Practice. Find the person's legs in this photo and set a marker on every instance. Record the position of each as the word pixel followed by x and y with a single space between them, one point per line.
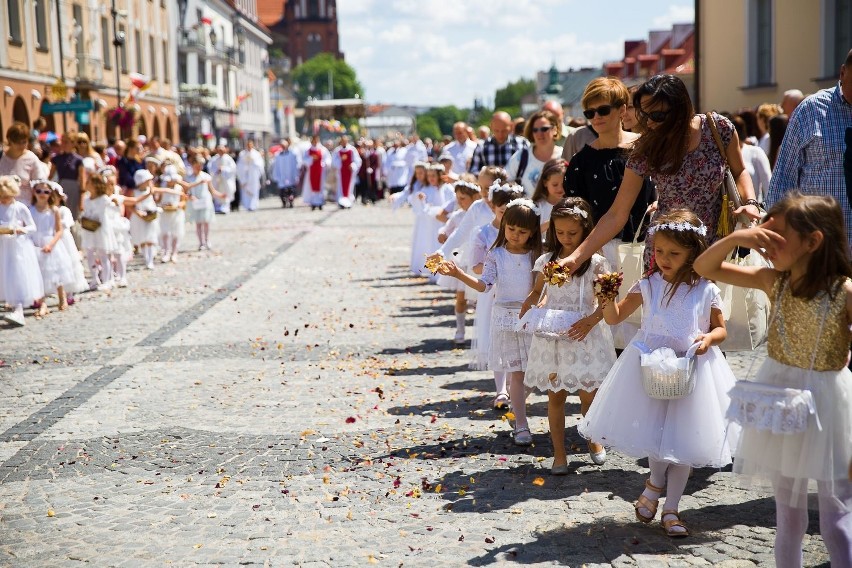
pixel 205 231
pixel 460 311
pixel 518 393
pixel 835 521
pixel 676 477
pixel 646 506
pixel 556 421
pixel 596 451
pixel 791 522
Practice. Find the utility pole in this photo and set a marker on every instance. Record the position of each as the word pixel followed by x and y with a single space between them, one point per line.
pixel 61 60
pixel 117 42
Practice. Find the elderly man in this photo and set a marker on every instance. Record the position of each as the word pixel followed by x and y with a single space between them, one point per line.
pixel 791 100
pixel 250 171
pixel 497 148
pixel 816 154
pixel 461 148
pixel 224 171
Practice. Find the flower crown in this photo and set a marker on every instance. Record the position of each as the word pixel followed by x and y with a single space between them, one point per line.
pixel 680 226
pixel 51 184
pixel 528 203
pixel 497 187
pixel 421 164
pixel 437 167
pixel 467 184
pixel 574 210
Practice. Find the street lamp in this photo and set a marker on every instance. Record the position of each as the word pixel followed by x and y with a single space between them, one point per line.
pixel 117 42
pixel 213 37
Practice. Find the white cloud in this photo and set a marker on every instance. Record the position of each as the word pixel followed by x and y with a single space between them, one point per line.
pixel 676 15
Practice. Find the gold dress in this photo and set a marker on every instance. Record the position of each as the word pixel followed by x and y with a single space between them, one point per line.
pixel 808 347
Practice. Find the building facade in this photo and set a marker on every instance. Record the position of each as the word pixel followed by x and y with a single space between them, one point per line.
pixel 304 29
pixel 751 51
pixel 63 51
pixel 252 76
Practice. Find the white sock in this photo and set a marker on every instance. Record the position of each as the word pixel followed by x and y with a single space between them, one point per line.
pixel 460 320
pixel 500 382
pixel 835 520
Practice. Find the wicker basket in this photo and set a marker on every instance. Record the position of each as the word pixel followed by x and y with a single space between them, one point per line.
pixel 90 224
pixel 169 208
pixel 673 384
pixel 147 216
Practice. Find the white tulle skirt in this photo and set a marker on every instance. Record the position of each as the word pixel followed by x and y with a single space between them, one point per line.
pixel 20 276
pixel 173 223
pixel 123 240
pixel 481 344
pixel 509 348
pixel 80 284
pixel 142 231
pixel 822 453
pixel 56 269
pixel 690 430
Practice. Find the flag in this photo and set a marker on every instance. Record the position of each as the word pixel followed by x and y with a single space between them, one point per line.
pixel 270 75
pixel 206 21
pixel 240 98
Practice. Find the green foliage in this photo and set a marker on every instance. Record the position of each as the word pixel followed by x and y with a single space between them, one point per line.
pixel 315 73
pixel 444 117
pixel 427 127
pixel 511 94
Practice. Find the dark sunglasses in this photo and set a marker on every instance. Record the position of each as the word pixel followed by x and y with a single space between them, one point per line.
pixel 541 129
pixel 42 191
pixel 602 110
pixel 655 116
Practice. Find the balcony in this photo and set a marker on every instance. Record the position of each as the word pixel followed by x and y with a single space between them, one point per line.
pixel 203 96
pixel 90 72
pixel 192 41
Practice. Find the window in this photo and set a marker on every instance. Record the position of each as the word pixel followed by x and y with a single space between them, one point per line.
pixel 202 72
pixel 13 8
pixel 314 46
pixel 122 32
pixel 840 35
pixel 79 31
pixel 166 69
pixel 182 78
pixel 137 42
pixel 761 49
pixel 152 47
pixel 41 24
pixel 313 9
pixel 106 51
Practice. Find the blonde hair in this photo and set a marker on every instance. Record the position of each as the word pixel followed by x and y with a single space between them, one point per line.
pixel 609 89
pixel 99 186
pixel 10 186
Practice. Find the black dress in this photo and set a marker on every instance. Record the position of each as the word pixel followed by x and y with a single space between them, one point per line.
pixel 595 175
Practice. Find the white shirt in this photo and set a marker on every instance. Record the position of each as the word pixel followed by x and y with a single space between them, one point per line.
pixel 533 171
pixel 757 166
pixel 461 153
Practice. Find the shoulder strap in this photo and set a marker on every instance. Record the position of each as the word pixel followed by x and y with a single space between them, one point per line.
pixel 525 160
pixel 717 137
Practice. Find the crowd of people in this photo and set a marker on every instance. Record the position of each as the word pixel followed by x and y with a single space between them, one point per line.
pixel 524 219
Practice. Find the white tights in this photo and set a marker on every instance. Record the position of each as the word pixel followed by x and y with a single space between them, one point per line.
pixel 202 230
pixel 835 523
pixel 500 382
pixel 100 274
pixel 671 476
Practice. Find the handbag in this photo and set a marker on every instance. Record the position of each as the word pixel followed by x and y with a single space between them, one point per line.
pixel 746 310
pixel 631 263
pixel 731 200
pixel 543 322
pixel 147 216
pixel 778 409
pixel 90 224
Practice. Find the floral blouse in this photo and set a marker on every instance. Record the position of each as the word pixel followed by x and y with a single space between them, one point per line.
pixel 696 185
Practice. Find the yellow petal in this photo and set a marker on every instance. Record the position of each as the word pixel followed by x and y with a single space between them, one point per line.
pixel 538 481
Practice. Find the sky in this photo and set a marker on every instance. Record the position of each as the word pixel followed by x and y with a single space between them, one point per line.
pixel 442 52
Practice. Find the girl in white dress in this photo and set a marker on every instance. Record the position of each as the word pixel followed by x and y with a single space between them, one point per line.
pixel 53 260
pixel 120 226
pixel 20 277
pixel 508 266
pixel 200 191
pixel 67 240
pixel 418 180
pixel 145 223
pixel 808 347
pixel 428 204
pixel 481 241
pixel 99 243
pixel 173 220
pixel 683 312
pixel 570 352
pixel 549 189
pixel 466 193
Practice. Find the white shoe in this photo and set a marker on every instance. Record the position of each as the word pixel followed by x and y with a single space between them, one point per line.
pixel 166 258
pixel 173 259
pixel 150 266
pixel 598 458
pixel 16 318
pixel 104 287
pixel 122 283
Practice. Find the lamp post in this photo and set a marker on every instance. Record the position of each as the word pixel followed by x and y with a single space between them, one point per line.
pixel 117 43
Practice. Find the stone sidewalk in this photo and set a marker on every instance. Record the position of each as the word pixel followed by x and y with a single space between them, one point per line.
pixel 293 398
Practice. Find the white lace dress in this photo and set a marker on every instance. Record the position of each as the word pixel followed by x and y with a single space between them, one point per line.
pixel 172 221
pixel 142 231
pixel 20 277
pixel 512 276
pixel 55 266
pixel 101 209
pixel 579 365
pixel 67 242
pixel 481 240
pixel 690 430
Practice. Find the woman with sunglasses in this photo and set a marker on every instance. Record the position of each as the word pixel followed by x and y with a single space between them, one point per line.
pixel 19 161
pixel 678 151
pixel 525 165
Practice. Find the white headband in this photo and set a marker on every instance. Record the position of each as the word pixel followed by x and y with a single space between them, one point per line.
pixel 51 184
pixel 437 167
pixel 467 184
pixel 681 226
pixel 528 203
pixel 575 211
pixel 507 188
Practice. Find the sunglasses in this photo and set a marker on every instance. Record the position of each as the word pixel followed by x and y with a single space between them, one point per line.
pixel 541 129
pixel 602 110
pixel 654 116
pixel 42 191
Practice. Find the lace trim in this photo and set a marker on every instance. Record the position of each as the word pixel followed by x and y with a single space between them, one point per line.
pixel 768 407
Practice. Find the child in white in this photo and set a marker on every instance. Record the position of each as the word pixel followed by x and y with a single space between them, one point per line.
pixel 428 204
pixel 200 192
pixel 804 236
pixel 53 260
pixel 173 220
pixel 120 226
pixel 480 243
pixel 99 244
pixel 418 181
pixel 570 352
pixel 20 277
pixel 144 223
pixel 67 242
pixel 508 266
pixel 680 309
pixel 467 192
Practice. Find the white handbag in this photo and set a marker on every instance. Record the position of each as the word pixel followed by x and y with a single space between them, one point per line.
pixel 543 322
pixel 746 310
pixel 631 263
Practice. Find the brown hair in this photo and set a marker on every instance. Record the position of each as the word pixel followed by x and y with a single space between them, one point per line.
pixel 98 186
pixel 547 115
pixel 501 198
pixel 496 173
pixel 806 214
pixel 551 167
pixel 690 240
pixel 565 210
pixel 665 146
pixel 18 133
pixel 519 215
pixel 609 89
pixel 53 198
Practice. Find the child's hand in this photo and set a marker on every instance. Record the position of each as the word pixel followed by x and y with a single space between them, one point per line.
pixel 581 328
pixel 762 238
pixel 46 248
pixel 706 341
pixel 442 238
pixel 421 196
pixel 442 216
pixel 525 307
pixel 449 268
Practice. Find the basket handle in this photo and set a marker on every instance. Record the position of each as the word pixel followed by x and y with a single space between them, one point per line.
pixel 690 353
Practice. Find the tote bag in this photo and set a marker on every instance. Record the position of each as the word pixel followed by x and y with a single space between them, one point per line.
pixel 746 310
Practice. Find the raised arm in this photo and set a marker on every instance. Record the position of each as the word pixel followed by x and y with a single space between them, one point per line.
pixel 711 263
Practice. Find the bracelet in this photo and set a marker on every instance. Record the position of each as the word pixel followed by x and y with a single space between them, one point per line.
pixel 752 202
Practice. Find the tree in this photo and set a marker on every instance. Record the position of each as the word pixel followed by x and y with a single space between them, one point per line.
pixel 511 94
pixel 427 127
pixel 311 78
pixel 445 117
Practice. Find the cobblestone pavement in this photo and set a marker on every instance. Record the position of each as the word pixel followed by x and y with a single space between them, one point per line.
pixel 294 398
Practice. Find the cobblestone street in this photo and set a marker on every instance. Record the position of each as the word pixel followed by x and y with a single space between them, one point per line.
pixel 293 397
